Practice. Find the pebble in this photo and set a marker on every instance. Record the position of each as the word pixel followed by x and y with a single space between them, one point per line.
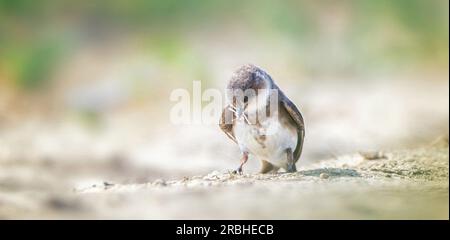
pixel 324 176
pixel 107 185
pixel 159 182
pixel 212 176
pixel 372 155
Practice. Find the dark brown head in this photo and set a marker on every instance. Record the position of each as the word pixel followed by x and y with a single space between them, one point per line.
pixel 249 76
pixel 249 80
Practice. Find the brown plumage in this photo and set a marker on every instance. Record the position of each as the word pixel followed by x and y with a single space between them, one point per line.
pixel 251 137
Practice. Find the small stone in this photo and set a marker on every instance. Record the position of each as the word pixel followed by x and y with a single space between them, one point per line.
pixel 107 185
pixel 324 176
pixel 373 155
pixel 159 182
pixel 212 176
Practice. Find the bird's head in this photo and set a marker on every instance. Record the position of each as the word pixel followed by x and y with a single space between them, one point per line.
pixel 249 85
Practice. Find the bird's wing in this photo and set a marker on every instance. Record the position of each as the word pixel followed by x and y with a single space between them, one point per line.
pixel 227 127
pixel 298 119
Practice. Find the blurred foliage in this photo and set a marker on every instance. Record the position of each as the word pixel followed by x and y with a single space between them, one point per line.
pixel 34 64
pixel 425 22
pixel 416 30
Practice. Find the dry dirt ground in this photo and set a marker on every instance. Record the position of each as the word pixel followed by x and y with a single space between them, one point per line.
pixel 131 165
pixel 405 184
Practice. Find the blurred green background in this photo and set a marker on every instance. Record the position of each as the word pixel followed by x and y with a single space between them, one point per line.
pixel 37 37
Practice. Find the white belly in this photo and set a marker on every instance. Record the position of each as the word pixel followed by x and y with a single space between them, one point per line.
pixel 268 141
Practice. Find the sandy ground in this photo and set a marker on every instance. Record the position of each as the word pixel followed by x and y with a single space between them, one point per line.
pixel 406 184
pixel 133 166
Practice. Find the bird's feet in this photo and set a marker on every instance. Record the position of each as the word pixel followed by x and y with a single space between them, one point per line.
pixel 291 168
pixel 243 161
pixel 238 171
pixel 290 162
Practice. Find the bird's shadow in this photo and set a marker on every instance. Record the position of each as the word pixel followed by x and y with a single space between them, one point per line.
pixel 332 172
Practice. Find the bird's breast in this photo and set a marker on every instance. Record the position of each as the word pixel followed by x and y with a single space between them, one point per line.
pixel 268 139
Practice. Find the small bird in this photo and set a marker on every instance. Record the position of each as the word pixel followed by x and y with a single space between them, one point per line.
pixel 277 139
